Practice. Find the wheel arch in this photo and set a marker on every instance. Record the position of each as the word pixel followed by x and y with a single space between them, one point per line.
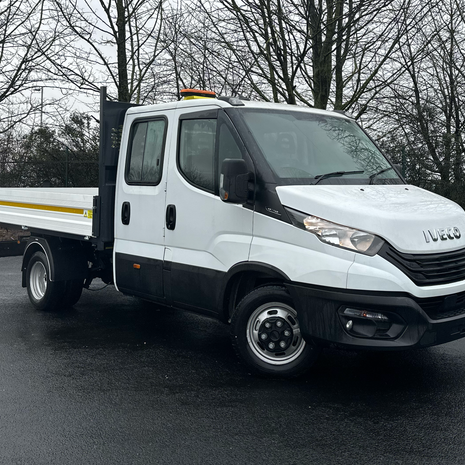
pixel 66 259
pixel 244 277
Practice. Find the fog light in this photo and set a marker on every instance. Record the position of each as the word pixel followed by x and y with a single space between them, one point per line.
pixel 371 324
pixel 365 323
pixel 365 314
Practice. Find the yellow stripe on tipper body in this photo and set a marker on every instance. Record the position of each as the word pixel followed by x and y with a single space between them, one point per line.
pixel 50 208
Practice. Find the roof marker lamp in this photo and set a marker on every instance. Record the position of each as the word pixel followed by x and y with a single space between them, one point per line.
pixel 336 234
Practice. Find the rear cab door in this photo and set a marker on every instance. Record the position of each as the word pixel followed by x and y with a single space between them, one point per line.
pixel 140 202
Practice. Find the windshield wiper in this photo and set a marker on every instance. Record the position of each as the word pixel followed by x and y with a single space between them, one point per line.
pixel 374 176
pixel 334 174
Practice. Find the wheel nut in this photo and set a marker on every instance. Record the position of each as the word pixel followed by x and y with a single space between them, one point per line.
pixel 271 345
pixel 263 336
pixel 279 324
pixel 287 333
pixel 282 344
pixel 267 325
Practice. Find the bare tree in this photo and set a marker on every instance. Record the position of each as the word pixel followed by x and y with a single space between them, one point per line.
pixel 194 56
pixel 26 33
pixel 426 105
pixel 320 53
pixel 259 36
pixel 63 156
pixel 113 42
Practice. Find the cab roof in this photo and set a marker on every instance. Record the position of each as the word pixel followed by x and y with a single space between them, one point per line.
pixel 223 103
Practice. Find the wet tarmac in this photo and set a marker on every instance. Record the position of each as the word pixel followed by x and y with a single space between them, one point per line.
pixel 118 381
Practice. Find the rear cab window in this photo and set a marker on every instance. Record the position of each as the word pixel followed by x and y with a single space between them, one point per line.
pixel 146 152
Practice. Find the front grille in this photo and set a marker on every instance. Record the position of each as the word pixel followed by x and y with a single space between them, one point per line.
pixel 438 308
pixel 427 269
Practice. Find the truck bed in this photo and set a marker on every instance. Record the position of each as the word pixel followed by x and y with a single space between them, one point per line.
pixel 66 210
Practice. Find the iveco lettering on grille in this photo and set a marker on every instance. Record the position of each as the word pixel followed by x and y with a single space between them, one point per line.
pixel 443 233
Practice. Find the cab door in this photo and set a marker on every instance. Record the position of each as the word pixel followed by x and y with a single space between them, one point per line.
pixel 205 237
pixel 140 205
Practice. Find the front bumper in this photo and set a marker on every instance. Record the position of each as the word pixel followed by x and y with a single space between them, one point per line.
pixel 414 322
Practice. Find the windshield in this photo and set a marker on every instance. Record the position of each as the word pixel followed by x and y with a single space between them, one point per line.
pixel 305 148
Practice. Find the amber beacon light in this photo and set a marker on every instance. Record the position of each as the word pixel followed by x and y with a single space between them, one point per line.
pixel 190 94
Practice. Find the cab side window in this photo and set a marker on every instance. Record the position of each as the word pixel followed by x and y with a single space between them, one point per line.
pixel 204 143
pixel 197 152
pixel 145 157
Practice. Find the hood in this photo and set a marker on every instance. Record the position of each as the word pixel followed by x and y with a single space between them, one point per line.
pixel 409 218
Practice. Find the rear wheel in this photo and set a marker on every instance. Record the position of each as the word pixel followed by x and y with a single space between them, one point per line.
pixel 43 293
pixel 266 334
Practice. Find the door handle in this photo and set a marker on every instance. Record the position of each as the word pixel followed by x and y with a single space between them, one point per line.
pixel 171 217
pixel 126 213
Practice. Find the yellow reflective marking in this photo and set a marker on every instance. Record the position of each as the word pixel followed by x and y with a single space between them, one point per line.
pixel 50 208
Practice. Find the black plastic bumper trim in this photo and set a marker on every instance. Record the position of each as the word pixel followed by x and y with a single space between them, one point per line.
pixel 318 308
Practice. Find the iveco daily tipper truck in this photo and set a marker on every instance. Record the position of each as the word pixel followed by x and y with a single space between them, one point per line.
pixel 288 223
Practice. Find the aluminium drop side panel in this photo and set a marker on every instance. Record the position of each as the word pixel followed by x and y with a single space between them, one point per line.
pixel 65 210
pixel 71 210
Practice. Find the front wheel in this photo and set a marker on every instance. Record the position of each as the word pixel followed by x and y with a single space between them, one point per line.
pixel 43 293
pixel 266 334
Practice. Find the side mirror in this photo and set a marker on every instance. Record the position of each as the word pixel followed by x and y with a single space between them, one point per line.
pixel 234 180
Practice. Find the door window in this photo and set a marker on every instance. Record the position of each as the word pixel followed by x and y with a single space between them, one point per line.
pixel 197 152
pixel 200 157
pixel 145 158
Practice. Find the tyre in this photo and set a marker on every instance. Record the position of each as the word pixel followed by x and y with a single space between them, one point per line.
pixel 266 334
pixel 43 293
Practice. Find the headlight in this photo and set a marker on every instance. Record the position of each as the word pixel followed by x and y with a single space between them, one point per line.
pixel 335 234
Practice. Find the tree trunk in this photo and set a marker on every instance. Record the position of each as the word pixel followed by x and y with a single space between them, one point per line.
pixel 123 87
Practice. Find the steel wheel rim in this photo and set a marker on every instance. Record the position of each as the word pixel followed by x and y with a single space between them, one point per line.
pixel 270 312
pixel 38 280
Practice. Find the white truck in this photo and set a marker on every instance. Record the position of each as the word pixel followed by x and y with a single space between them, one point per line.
pixel 287 223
